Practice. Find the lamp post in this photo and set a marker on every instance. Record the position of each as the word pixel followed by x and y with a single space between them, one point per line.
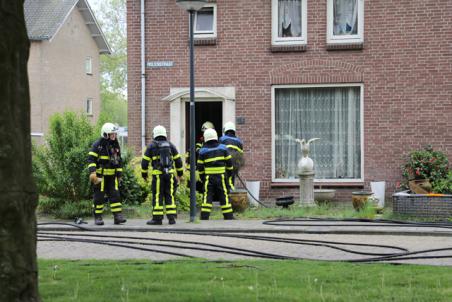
pixel 192 6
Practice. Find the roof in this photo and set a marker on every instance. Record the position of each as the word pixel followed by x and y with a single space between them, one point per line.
pixel 44 18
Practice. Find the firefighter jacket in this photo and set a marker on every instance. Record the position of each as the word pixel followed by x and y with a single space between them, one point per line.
pixel 105 158
pixel 232 142
pixel 214 158
pixel 152 156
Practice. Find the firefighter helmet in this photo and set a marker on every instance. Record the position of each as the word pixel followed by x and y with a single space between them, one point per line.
pixel 159 131
pixel 107 129
pixel 229 126
pixel 207 125
pixel 210 134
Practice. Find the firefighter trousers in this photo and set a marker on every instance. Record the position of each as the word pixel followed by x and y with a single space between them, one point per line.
pixel 215 186
pixel 109 187
pixel 164 194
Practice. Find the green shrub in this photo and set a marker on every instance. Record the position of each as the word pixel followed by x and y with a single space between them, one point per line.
pixel 70 210
pixel 134 190
pixel 426 163
pixel 444 185
pixel 183 194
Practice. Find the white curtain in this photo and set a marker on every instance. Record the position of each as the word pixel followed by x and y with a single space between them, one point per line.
pixel 331 114
pixel 345 17
pixel 289 18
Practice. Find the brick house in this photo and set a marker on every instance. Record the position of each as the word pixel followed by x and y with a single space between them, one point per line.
pixel 371 79
pixel 63 68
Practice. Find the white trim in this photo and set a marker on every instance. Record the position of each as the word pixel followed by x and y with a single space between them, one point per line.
pixel 320 181
pixel 89 68
pixel 345 39
pixel 38 134
pixel 207 34
pixel 303 40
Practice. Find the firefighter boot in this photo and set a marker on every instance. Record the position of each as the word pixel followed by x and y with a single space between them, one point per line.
pixel 118 218
pixel 228 216
pixel 171 219
pixel 98 220
pixel 154 221
pixel 205 215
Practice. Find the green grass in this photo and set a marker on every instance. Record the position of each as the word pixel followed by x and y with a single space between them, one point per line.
pixel 257 280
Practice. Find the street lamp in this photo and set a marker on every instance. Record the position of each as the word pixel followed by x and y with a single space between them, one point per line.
pixel 191 6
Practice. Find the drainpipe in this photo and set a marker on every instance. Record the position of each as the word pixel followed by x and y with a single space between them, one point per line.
pixel 143 81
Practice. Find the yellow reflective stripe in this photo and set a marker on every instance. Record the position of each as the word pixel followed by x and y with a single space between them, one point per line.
pixel 173 202
pixel 230 183
pixel 201 172
pixel 225 190
pixel 98 211
pixel 102 185
pixel 92 165
pixel 116 183
pixel 200 161
pixel 118 169
pixel 116 210
pixel 204 202
pixel 235 147
pixel 158 172
pixel 171 212
pixel 99 206
pixel 208 205
pixel 157 195
pixel 93 154
pixel 146 157
pixel 230 168
pixel 228 157
pixel 215 170
pixel 106 171
pixel 180 169
pixel 226 206
pixel 205 210
pixel 177 156
pixel 144 170
pixel 116 204
pixel 155 157
pixel 157 213
pixel 104 157
pixel 227 211
pixel 169 207
pixel 208 160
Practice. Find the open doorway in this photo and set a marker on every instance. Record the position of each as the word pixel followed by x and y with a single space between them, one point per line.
pixel 204 111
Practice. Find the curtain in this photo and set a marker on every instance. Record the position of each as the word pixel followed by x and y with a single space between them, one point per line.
pixel 204 19
pixel 329 113
pixel 289 18
pixel 345 17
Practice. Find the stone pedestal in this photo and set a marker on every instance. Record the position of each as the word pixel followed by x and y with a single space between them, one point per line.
pixel 306 188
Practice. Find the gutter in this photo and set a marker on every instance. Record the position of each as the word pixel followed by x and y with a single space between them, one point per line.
pixel 143 80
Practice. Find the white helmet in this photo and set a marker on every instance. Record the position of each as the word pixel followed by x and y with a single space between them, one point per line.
pixel 210 135
pixel 207 125
pixel 229 126
pixel 107 129
pixel 159 131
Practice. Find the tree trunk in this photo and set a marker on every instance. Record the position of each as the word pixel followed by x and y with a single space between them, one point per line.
pixel 18 198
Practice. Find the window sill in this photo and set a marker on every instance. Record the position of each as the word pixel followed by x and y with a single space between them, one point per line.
pixel 345 46
pixel 318 185
pixel 288 48
pixel 205 41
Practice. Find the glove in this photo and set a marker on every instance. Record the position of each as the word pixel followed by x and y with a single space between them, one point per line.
pixel 94 179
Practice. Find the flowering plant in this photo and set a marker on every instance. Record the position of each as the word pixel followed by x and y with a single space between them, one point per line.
pixel 425 164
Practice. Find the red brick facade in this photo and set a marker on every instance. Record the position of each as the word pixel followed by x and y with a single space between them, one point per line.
pixel 405 66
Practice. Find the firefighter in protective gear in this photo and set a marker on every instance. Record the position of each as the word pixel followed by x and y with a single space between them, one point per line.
pixel 214 164
pixel 166 163
pixel 105 167
pixel 206 125
pixel 235 147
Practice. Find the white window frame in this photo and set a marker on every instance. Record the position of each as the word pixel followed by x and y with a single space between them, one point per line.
pixel 91 102
pixel 319 181
pixel 303 40
pixel 89 65
pixel 206 34
pixel 344 39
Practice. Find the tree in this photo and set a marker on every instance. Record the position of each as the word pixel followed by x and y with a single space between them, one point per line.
pixel 18 267
pixel 112 18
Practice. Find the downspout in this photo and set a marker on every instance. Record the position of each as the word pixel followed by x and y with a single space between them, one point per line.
pixel 143 81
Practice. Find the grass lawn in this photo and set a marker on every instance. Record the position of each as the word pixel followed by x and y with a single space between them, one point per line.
pixel 254 280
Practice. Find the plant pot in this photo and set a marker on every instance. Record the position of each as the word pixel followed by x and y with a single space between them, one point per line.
pixel 324 195
pixel 239 200
pixel 359 199
pixel 420 186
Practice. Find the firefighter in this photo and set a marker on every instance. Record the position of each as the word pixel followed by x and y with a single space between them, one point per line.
pixel 235 147
pixel 206 125
pixel 214 164
pixel 165 162
pixel 105 167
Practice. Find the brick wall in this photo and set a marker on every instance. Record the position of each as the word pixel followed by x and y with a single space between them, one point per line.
pixel 405 66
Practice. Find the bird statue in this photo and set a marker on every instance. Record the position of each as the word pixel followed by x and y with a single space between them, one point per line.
pixel 306 164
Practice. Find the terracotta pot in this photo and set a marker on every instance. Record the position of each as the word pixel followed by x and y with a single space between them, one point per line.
pixel 360 198
pixel 239 200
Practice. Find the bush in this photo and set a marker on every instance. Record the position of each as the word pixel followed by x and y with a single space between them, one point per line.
pixel 134 190
pixel 426 164
pixel 443 186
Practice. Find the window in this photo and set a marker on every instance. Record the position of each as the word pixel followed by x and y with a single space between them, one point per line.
pixel 205 23
pixel 289 22
pixel 345 21
pixel 89 65
pixel 333 114
pixel 89 106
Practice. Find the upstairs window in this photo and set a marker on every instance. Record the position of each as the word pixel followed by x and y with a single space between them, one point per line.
pixel 89 106
pixel 289 26
pixel 345 21
pixel 89 65
pixel 205 23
